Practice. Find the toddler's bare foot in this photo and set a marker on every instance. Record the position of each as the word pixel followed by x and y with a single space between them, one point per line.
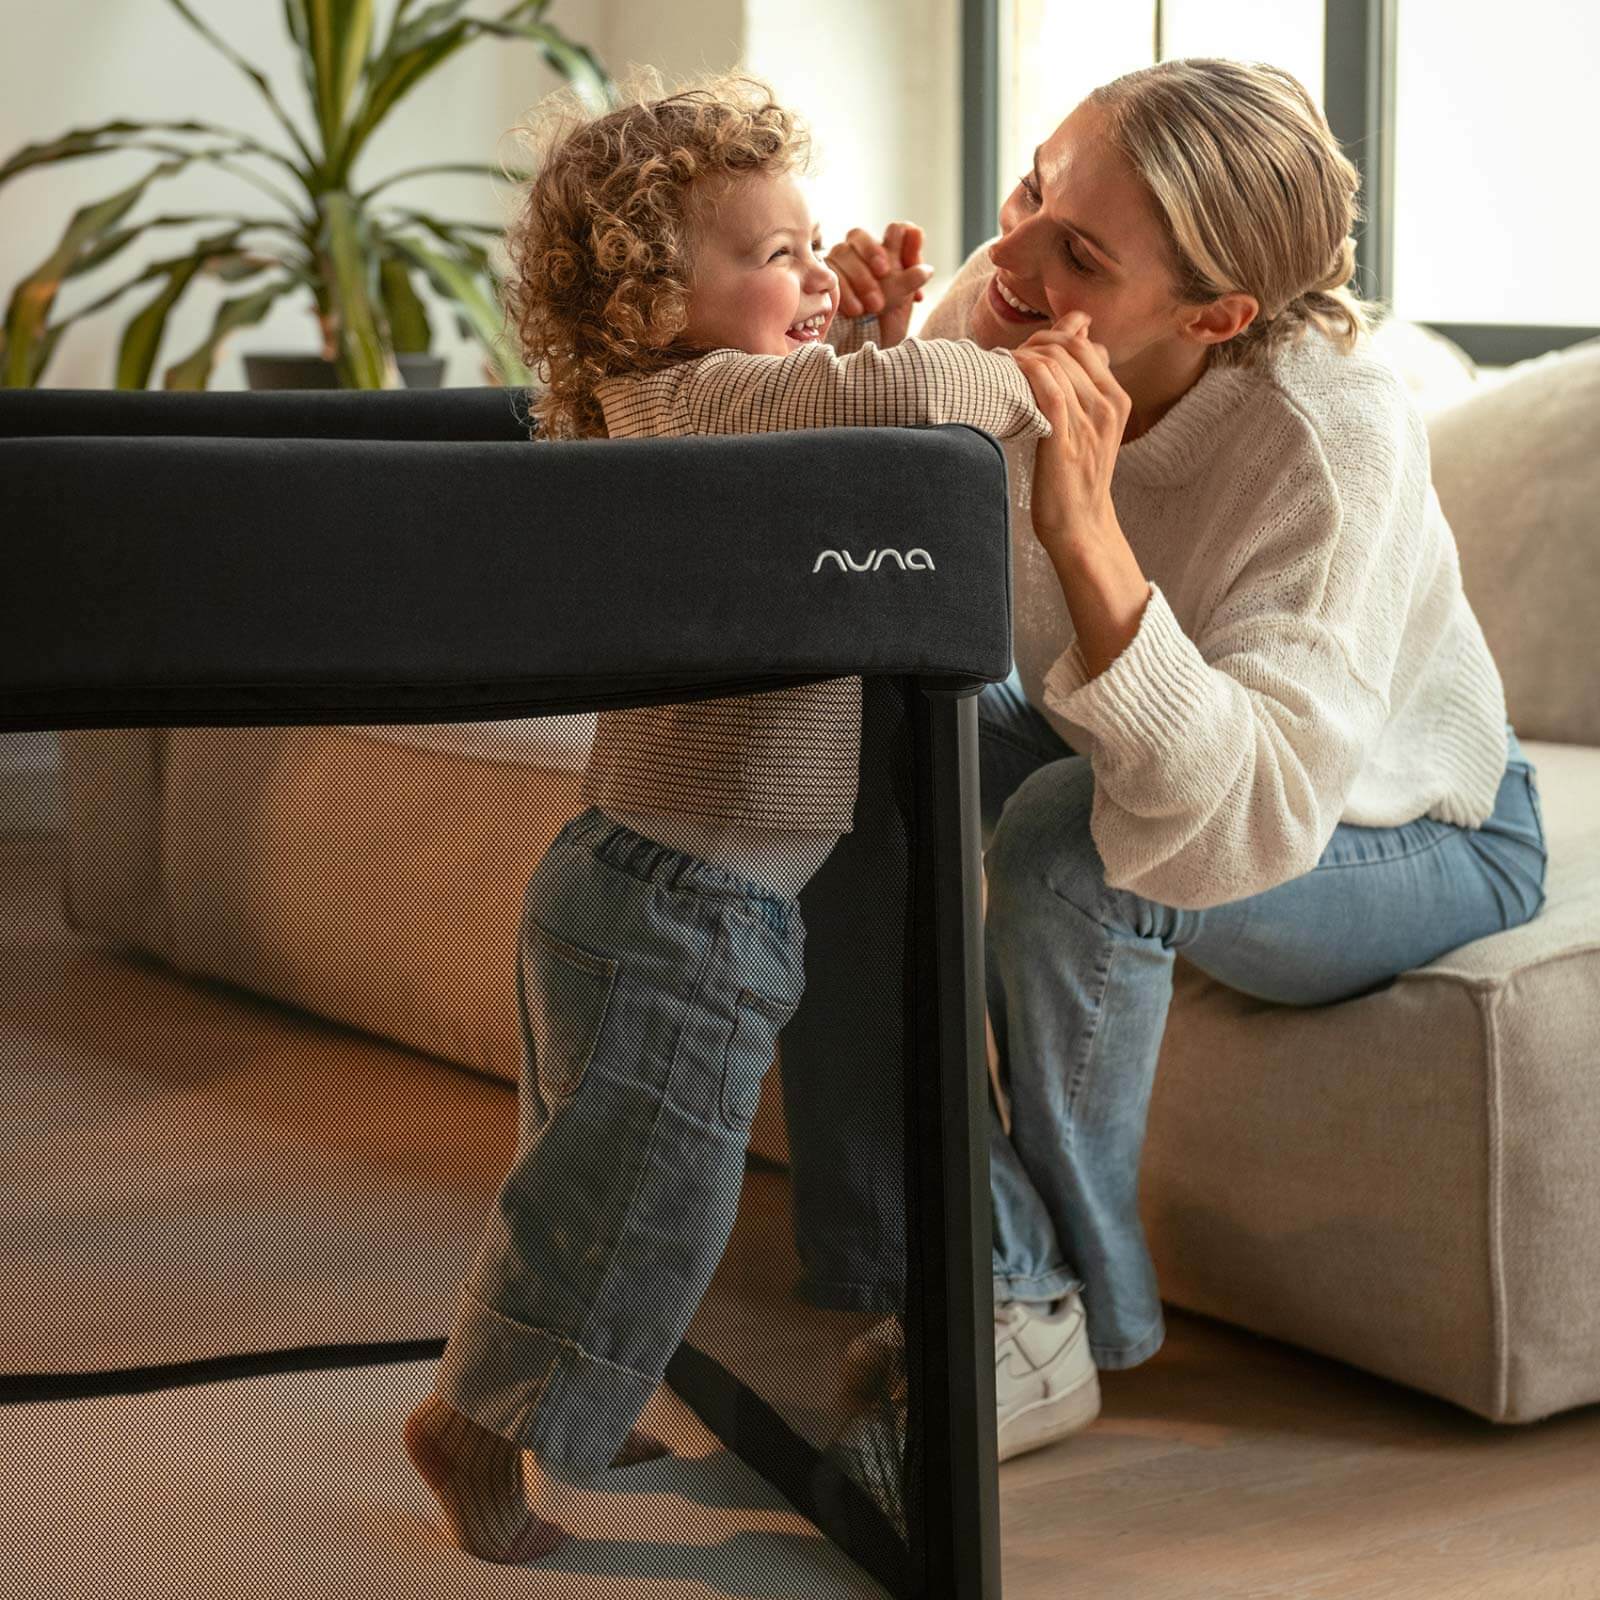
pixel 478 1479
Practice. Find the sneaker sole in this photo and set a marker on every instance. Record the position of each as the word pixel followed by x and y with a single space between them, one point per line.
pixel 1054 1417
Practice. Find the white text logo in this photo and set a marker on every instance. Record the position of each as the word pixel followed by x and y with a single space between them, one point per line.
pixel 913 560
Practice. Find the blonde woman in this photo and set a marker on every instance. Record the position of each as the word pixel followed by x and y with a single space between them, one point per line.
pixel 1253 717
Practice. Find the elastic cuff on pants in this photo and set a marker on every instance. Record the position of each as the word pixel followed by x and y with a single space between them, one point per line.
pixel 572 1409
pixel 1040 1287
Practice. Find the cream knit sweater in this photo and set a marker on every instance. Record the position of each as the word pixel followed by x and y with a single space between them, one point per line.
pixel 1306 657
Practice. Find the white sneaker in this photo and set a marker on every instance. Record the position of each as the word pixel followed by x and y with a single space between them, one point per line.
pixel 1045 1382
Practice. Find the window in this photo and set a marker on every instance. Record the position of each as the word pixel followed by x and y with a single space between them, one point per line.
pixel 1494 221
pixel 1287 33
pixel 1474 137
pixel 1051 53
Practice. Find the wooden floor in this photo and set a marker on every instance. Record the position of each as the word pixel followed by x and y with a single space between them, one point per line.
pixel 1239 1467
pixel 1231 1466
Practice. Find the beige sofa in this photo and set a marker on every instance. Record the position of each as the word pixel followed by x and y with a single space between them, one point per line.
pixel 1406 1181
pixel 1410 1181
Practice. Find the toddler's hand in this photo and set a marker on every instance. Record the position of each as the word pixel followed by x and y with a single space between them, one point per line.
pixel 885 278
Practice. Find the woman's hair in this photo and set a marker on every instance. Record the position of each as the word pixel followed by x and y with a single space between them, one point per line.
pixel 1254 194
pixel 601 245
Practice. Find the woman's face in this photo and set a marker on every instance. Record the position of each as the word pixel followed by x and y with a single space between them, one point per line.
pixel 1081 233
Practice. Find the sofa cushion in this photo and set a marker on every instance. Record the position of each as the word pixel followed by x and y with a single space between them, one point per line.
pixel 1436 370
pixel 1517 470
pixel 1406 1180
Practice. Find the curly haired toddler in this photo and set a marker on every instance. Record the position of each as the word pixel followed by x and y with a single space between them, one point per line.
pixel 668 281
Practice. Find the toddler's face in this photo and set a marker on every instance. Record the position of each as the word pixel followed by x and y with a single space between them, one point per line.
pixel 759 283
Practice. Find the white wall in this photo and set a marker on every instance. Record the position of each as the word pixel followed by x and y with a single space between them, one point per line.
pixel 880 85
pixel 877 79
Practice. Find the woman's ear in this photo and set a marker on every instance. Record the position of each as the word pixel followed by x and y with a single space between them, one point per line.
pixel 1222 318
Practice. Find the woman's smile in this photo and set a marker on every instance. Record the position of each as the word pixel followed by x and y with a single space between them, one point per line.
pixel 1010 306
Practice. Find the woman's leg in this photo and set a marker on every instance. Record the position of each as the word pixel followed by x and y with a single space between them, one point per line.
pixel 1014 742
pixel 846 1046
pixel 1080 977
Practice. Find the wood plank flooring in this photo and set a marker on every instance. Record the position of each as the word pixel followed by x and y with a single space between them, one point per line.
pixel 1235 1468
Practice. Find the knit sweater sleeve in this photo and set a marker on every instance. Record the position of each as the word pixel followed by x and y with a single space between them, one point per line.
pixel 915 382
pixel 848 334
pixel 1223 762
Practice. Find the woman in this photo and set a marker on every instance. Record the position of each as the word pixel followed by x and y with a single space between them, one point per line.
pixel 1253 718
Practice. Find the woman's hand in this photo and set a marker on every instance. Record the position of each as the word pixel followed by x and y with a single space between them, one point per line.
pixel 1087 409
pixel 885 278
pixel 1073 517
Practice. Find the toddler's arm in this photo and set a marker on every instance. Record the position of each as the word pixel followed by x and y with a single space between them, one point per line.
pixel 918 381
pixel 848 334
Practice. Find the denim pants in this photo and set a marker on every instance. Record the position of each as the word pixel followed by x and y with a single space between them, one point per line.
pixel 652 986
pixel 1079 977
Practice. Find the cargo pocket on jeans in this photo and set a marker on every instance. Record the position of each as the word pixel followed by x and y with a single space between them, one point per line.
pixel 752 1045
pixel 567 990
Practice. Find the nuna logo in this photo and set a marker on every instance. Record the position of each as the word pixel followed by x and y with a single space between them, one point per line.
pixel 912 561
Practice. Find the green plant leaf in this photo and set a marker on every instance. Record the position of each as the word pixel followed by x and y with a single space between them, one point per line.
pixel 107 137
pixel 113 244
pixel 451 234
pixel 575 62
pixel 407 35
pixel 298 25
pixel 365 360
pixel 194 370
pixel 475 168
pixel 385 87
pixel 409 326
pixel 141 339
pixel 340 35
pixel 455 282
pixel 33 296
pixel 253 73
pixel 299 29
pixel 398 71
pixel 226 265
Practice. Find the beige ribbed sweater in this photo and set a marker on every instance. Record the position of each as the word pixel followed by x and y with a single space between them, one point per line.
pixel 1307 656
pixel 764 784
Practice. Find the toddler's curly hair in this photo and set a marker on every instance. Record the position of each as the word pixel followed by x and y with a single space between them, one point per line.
pixel 601 244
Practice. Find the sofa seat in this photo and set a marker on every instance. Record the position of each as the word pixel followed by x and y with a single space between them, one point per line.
pixel 1406 1181
pixel 372 876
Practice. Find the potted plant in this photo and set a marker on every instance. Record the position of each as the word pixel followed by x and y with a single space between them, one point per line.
pixel 360 261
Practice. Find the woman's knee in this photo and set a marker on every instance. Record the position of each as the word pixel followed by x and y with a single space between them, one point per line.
pixel 1043 836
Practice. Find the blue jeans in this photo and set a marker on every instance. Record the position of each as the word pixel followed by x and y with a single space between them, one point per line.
pixel 652 986
pixel 1079 977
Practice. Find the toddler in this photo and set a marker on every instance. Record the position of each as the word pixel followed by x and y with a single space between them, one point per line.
pixel 668 279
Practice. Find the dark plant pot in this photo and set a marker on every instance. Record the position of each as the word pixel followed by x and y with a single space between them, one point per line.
pixel 281 370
